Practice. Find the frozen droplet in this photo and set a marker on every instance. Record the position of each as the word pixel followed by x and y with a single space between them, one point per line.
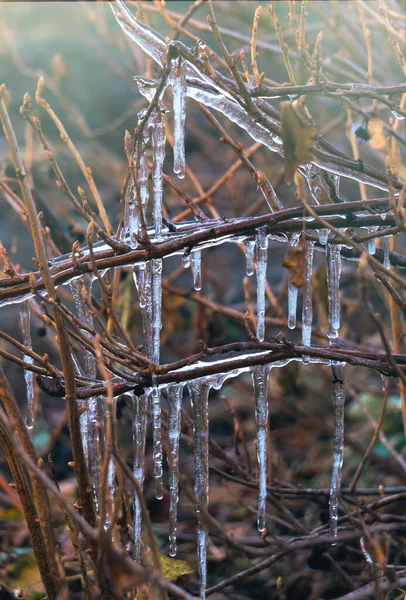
pixel 186 259
pixel 323 236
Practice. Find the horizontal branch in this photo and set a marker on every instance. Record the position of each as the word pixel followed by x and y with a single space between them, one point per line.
pixel 187 236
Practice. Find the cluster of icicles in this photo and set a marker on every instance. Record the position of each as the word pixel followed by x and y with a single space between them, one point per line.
pixel 148 282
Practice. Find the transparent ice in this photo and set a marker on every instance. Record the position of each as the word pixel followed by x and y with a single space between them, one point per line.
pixel 262 261
pixel 25 320
pixel 338 443
pixel 174 393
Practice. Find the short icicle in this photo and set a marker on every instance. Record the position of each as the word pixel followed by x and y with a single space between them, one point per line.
pixel 140 417
pixel 307 310
pixel 199 395
pixel 259 376
pixel 333 288
pixel 197 269
pixel 338 443
pixel 249 246
pixel 179 89
pixel 25 320
pixel 174 423
pixel 262 260
pixel 292 289
pixel 158 143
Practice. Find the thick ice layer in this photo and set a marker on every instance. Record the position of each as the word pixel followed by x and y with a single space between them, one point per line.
pixel 333 287
pixel 307 310
pixel 199 396
pixel 259 376
pixel 338 443
pixel 174 423
pixel 25 320
pixel 262 261
pixel 179 89
pixel 292 289
pixel 140 418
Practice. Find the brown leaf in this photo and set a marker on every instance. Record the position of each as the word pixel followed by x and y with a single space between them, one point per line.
pixel 297 137
pixel 294 261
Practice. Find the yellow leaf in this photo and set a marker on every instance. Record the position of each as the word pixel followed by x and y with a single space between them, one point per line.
pixel 297 138
pixel 173 568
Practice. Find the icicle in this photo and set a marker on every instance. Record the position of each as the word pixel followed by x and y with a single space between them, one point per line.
pixel 292 289
pixel 371 243
pixel 262 260
pixel 338 444
pixel 323 236
pixel 156 307
pixel 259 376
pixel 89 419
pixel 333 286
pixel 25 319
pixel 249 256
pixel 199 395
pixel 140 416
pixel 174 423
pixel 386 250
pixel 197 269
pixel 179 116
pixel 307 311
pixel 158 142
pixel 186 259
pixel 157 441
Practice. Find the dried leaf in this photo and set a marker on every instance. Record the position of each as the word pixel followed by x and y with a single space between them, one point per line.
pixel 297 137
pixel 294 261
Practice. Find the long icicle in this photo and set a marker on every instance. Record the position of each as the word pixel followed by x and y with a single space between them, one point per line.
pixel 140 417
pixel 179 90
pixel 89 419
pixel 262 261
pixel 174 423
pixel 158 143
pixel 307 310
pixel 259 376
pixel 25 320
pixel 338 443
pixel 292 289
pixel 333 288
pixel 199 395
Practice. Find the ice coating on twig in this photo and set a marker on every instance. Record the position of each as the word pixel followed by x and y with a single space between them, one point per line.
pixel 333 288
pixel 199 396
pixel 292 289
pixel 338 443
pixel 197 269
pixel 211 95
pixel 259 376
pixel 179 90
pixel 89 419
pixel 262 261
pixel 249 245
pixel 140 417
pixel 25 320
pixel 158 143
pixel 174 393
pixel 307 309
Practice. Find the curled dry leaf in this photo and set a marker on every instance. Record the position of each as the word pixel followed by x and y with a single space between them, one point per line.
pixel 297 136
pixel 294 261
